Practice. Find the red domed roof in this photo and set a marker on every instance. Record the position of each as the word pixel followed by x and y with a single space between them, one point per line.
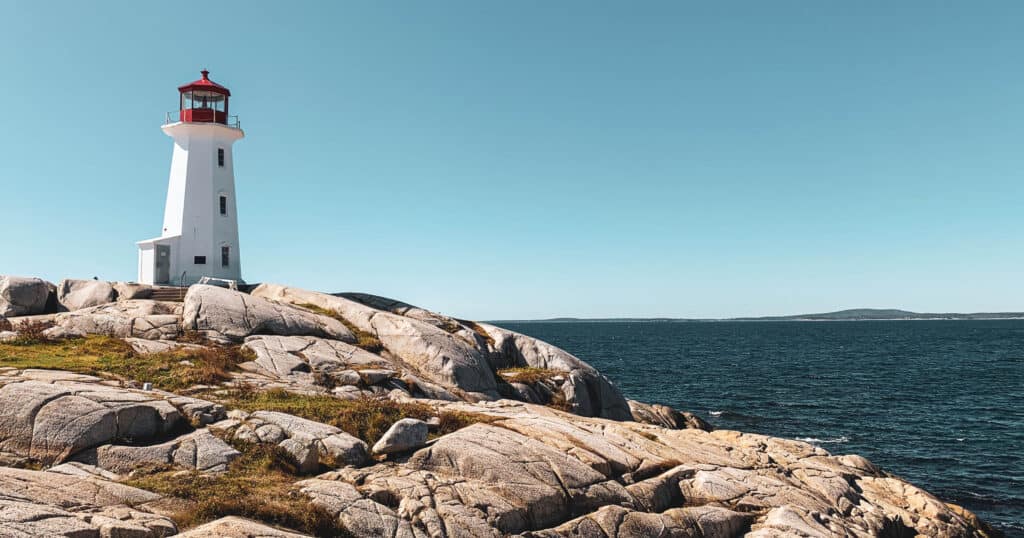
pixel 204 84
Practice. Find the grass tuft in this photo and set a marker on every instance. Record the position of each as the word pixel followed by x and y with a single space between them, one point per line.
pixel 258 485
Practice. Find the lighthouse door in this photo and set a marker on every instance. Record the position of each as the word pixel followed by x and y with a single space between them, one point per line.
pixel 163 264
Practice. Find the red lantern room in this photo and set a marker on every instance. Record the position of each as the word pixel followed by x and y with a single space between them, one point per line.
pixel 204 101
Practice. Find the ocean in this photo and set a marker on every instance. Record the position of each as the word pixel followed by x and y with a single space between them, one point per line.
pixel 938 403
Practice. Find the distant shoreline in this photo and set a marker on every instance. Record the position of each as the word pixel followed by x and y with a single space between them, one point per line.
pixel 860 314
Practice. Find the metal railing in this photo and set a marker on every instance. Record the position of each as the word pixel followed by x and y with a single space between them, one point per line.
pixel 181 286
pixel 174 116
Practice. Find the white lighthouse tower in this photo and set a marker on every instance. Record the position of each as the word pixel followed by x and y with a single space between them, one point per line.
pixel 200 233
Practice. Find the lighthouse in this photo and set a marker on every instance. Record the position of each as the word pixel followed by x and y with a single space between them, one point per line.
pixel 200 231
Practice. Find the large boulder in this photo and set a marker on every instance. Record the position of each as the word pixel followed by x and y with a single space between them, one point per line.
pixel 51 421
pixel 309 442
pixel 587 391
pixel 138 318
pixel 131 290
pixel 432 353
pixel 199 450
pixel 21 296
pixel 78 294
pixel 404 435
pixel 228 315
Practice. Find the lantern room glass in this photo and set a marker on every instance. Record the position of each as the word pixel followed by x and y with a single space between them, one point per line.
pixel 196 99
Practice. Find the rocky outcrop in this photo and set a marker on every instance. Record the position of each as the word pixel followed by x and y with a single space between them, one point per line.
pixel 666 417
pixel 51 416
pixel 78 294
pixel 431 352
pixel 587 391
pixel 541 472
pixel 41 503
pixel 21 296
pixel 138 318
pixel 497 467
pixel 230 316
pixel 199 450
pixel 51 421
pixel 284 356
pixel 620 522
pixel 310 443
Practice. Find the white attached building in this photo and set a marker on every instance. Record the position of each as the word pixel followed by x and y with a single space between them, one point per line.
pixel 200 233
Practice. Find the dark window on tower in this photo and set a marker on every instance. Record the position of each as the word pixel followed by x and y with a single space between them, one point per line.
pixel 225 256
pixel 220 156
pixel 199 260
pixel 223 205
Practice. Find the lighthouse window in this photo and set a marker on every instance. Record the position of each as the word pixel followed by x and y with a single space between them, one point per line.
pixel 220 157
pixel 225 256
pixel 223 205
pixel 199 260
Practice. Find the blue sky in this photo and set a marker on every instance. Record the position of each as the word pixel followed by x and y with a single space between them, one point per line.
pixel 534 159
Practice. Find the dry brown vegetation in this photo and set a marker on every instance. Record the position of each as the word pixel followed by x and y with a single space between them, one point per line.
pixel 31 332
pixel 111 357
pixel 365 418
pixel 259 485
pixel 529 375
pixel 478 330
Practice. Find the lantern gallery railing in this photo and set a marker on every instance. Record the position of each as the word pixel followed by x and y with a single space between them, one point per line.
pixel 175 116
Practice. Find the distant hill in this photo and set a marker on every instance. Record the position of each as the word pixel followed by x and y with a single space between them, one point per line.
pixel 854 314
pixel 883 314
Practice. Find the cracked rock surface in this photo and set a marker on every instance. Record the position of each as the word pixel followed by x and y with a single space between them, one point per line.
pixel 230 316
pixel 41 503
pixel 140 318
pixel 539 472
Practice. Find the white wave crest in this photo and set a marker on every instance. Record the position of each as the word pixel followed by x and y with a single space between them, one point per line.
pixel 829 440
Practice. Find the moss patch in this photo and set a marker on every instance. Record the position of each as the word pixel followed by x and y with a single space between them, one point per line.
pixel 365 418
pixel 111 357
pixel 258 485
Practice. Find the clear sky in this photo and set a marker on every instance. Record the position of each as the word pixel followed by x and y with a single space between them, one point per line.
pixel 535 158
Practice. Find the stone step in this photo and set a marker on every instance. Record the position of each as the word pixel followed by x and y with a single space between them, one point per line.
pixel 171 294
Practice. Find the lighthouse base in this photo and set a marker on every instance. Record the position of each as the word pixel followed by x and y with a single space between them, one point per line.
pixel 163 262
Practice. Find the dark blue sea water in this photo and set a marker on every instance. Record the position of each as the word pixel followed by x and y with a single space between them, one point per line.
pixel 939 403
